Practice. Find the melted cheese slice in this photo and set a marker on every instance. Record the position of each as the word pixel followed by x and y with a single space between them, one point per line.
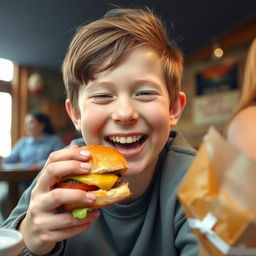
pixel 103 181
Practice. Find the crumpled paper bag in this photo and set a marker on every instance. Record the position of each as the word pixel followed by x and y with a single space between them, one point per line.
pixel 218 195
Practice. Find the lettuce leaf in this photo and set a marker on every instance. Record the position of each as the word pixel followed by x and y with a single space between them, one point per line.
pixel 80 213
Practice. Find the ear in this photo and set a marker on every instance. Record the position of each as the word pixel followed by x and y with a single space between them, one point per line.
pixel 74 116
pixel 177 109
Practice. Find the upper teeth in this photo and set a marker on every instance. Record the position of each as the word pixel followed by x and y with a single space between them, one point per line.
pixel 129 139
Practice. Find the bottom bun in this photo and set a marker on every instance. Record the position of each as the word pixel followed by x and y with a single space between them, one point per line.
pixel 104 198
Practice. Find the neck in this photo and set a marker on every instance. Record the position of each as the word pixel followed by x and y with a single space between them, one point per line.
pixel 139 184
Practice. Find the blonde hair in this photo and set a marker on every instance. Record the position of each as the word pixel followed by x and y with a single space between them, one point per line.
pixel 248 94
pixel 113 37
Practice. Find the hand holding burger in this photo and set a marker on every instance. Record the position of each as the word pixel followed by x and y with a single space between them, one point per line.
pixel 105 180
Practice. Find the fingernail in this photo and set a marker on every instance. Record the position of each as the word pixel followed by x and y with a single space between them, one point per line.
pixel 91 196
pixel 85 165
pixel 84 153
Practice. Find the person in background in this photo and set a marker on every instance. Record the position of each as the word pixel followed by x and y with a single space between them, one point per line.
pixel 241 130
pixel 32 151
pixel 122 76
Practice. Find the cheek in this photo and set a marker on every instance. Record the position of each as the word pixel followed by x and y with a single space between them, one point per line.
pixel 159 118
pixel 92 122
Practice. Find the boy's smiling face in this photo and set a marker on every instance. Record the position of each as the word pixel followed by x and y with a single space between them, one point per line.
pixel 128 108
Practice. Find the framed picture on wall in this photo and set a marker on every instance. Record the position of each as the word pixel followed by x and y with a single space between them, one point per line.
pixel 216 94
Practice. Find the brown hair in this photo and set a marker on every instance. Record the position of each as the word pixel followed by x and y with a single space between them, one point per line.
pixel 114 36
pixel 248 93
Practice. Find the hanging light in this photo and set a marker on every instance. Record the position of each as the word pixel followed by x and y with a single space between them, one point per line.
pixel 217 51
pixel 36 83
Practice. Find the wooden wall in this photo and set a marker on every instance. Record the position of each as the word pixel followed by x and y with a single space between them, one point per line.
pixel 50 101
pixel 235 44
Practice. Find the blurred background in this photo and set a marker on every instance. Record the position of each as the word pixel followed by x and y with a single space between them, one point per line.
pixel 34 35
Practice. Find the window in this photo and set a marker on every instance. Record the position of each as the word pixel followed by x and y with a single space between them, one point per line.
pixel 6 75
pixel 5 127
pixel 6 70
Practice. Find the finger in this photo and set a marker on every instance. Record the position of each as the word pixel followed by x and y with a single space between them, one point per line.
pixel 60 196
pixel 70 232
pixel 63 234
pixel 72 153
pixel 57 170
pixel 59 164
pixel 55 222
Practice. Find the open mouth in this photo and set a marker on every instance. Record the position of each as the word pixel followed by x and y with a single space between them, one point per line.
pixel 126 142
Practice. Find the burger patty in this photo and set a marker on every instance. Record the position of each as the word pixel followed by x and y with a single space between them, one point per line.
pixel 118 182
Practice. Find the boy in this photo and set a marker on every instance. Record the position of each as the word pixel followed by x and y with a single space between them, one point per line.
pixel 122 78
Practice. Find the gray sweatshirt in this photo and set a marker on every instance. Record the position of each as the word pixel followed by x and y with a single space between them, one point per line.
pixel 152 225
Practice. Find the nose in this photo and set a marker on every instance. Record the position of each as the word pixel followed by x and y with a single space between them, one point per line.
pixel 125 112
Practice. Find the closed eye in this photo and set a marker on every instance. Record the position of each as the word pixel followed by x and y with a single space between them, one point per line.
pixel 146 95
pixel 102 98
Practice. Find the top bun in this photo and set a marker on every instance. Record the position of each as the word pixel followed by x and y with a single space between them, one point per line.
pixel 105 159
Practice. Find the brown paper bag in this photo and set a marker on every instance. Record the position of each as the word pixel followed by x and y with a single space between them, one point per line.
pixel 203 251
pixel 218 196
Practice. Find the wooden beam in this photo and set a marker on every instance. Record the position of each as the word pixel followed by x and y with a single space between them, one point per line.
pixel 20 101
pixel 241 35
pixel 5 86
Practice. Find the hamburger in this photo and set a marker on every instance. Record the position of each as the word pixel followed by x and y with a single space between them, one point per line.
pixel 105 180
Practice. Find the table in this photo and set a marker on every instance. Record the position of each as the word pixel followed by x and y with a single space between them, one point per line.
pixel 13 178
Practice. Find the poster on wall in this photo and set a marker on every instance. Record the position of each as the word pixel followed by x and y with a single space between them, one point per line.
pixel 215 79
pixel 217 94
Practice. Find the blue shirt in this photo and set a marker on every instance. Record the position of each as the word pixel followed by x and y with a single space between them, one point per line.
pixel 29 151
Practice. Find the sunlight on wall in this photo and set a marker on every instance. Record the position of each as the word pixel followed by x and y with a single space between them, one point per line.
pixel 6 70
pixel 5 127
pixel 6 74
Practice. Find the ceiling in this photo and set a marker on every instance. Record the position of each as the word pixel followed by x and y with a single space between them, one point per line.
pixel 37 33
